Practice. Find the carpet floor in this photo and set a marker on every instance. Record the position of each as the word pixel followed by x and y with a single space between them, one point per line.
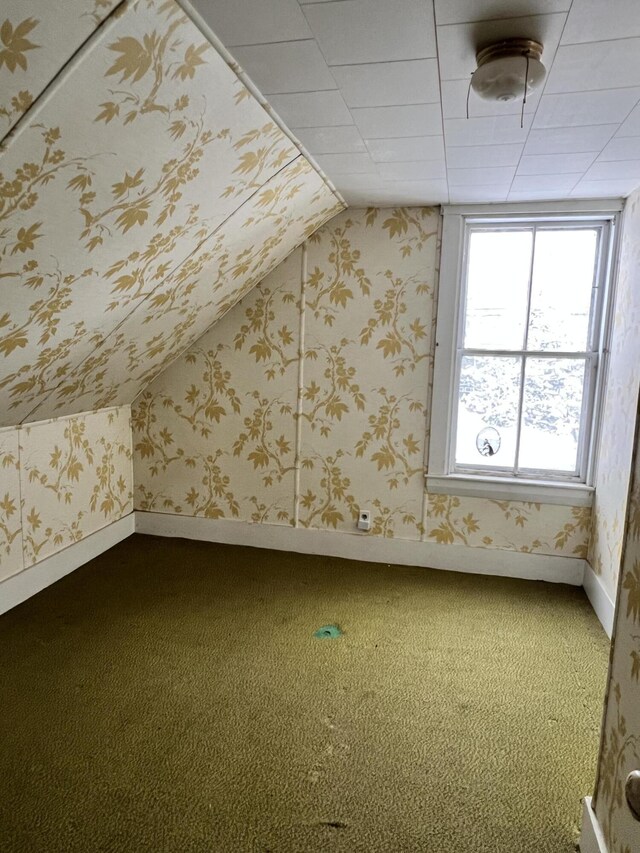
pixel 170 696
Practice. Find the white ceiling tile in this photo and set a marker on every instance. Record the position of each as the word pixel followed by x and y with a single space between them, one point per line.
pixel 360 183
pixel 614 170
pixel 459 11
pixel 388 83
pixel 604 189
pixel 311 109
pixel 621 148
pixel 458 43
pixel 406 148
pixel 295 66
pixel 482 156
pixel 595 20
pixel 454 102
pixel 541 183
pixel 576 108
pixel 500 175
pixel 631 125
pixel 422 193
pixel 352 31
pixel 330 140
pixel 386 122
pixel 500 130
pixel 555 164
pixel 418 170
pixel 477 195
pixel 358 198
pixel 597 65
pixel 565 140
pixel 248 22
pixel 542 195
pixel 345 164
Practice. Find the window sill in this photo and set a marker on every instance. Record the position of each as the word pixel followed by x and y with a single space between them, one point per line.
pixel 499 488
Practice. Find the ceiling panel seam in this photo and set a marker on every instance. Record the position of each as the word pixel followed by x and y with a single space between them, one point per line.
pixel 444 138
pixel 532 14
pixel 63 73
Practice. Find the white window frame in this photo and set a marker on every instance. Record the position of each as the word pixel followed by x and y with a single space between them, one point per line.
pixel 442 476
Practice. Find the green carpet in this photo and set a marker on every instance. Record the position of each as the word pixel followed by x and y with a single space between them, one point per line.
pixel 170 696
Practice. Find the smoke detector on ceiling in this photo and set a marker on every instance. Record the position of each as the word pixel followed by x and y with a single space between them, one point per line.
pixel 508 70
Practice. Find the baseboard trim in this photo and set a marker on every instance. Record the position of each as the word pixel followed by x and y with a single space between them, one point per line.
pixel 20 587
pixel 599 597
pixel 358 546
pixel 591 837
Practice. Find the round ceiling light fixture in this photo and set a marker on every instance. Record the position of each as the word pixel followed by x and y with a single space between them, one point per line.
pixel 508 70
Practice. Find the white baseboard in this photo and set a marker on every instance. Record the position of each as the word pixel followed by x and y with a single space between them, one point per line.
pixel 599 598
pixel 591 837
pixel 358 546
pixel 18 588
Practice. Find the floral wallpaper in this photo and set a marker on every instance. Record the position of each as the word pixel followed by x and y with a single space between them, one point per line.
pixel 61 480
pixel 513 525
pixel 241 427
pixel 36 40
pixel 10 526
pixel 368 356
pixel 620 748
pixel 215 435
pixel 616 435
pixel 96 224
pixel 226 266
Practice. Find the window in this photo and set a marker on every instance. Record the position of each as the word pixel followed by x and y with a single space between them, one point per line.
pixel 520 342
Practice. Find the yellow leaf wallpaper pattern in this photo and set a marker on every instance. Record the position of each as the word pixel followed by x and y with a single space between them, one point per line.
pixel 96 222
pixel 616 435
pixel 370 303
pixel 215 435
pixel 10 527
pixel 255 239
pixel 76 476
pixel 514 525
pixel 61 480
pixel 620 749
pixel 36 41
pixel 227 431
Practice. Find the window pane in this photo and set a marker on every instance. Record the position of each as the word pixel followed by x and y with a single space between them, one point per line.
pixel 497 288
pixel 488 398
pixel 563 272
pixel 551 408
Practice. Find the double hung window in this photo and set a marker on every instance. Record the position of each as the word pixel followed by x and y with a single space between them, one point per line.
pixel 521 336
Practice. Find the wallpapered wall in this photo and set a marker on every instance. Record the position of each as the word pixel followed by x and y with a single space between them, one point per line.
pixel 35 43
pixel 140 198
pixel 61 480
pixel 616 437
pixel 241 427
pixel 620 750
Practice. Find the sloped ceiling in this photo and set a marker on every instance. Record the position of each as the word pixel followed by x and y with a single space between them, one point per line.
pixel 35 43
pixel 142 195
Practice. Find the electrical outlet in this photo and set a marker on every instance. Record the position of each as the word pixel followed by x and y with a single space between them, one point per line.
pixel 364 519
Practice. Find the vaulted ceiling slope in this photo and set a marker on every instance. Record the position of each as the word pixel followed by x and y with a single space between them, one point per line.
pixel 36 43
pixel 142 195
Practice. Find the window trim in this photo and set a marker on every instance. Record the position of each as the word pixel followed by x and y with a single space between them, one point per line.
pixel 440 477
